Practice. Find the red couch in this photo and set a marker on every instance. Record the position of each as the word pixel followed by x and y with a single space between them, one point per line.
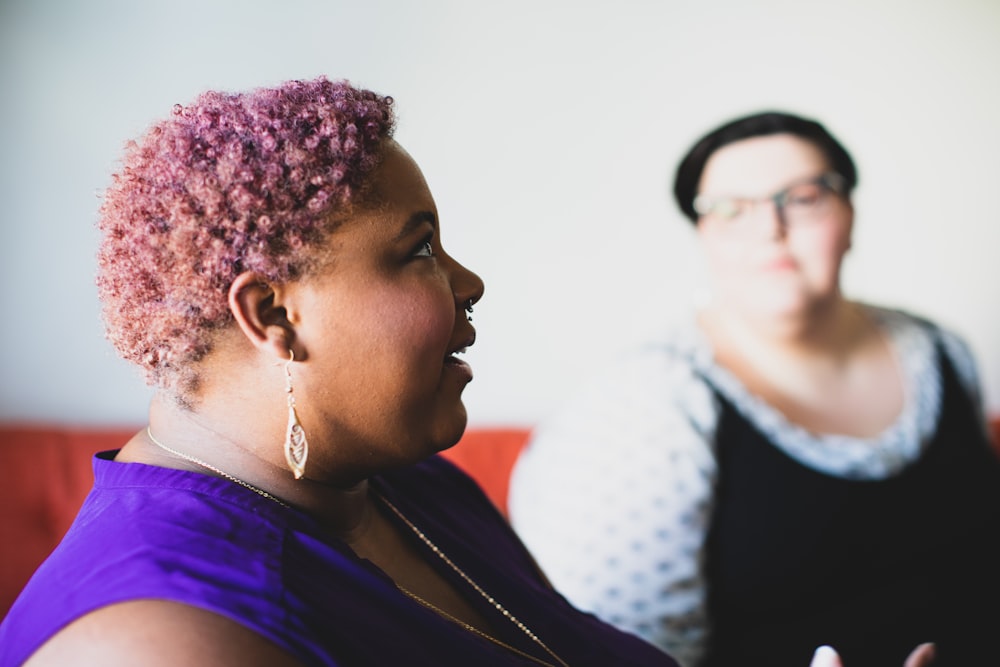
pixel 45 472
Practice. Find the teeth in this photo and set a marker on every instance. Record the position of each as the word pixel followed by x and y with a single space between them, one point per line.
pixel 461 350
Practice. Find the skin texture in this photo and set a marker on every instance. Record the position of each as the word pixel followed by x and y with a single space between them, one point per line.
pixel 374 331
pixel 399 320
pixel 155 633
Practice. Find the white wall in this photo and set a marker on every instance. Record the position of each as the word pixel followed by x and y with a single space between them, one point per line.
pixel 548 132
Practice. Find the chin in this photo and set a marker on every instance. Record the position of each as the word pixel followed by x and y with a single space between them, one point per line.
pixel 448 434
pixel 782 303
pixel 786 309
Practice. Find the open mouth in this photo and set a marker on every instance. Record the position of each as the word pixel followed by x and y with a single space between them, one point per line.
pixel 462 346
pixel 454 362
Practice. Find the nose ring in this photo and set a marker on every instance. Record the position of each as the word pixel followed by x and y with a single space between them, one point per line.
pixel 468 309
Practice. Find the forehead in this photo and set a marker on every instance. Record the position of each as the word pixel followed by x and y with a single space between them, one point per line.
pixel 397 181
pixel 395 200
pixel 761 165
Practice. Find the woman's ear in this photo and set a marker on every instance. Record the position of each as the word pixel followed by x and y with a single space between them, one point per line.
pixel 259 315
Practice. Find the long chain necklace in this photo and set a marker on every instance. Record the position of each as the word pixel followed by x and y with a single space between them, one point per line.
pixel 473 629
pixel 499 607
pixel 211 467
pixel 423 538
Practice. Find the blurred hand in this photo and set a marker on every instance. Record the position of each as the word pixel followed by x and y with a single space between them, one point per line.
pixel 922 656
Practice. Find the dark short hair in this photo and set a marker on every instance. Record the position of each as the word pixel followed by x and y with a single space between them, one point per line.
pixel 757 125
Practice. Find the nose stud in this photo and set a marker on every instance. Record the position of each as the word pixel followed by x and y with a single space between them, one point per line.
pixel 468 309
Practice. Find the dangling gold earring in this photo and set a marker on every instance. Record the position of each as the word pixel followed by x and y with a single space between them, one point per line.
pixel 296 445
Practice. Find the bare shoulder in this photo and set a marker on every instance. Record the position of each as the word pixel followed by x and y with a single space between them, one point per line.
pixel 155 633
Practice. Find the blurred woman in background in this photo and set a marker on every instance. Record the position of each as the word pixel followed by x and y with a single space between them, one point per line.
pixel 793 468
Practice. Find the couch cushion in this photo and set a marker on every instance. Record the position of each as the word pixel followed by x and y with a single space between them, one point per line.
pixel 46 473
pixel 488 455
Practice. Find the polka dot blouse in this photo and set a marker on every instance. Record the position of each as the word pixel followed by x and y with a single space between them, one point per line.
pixel 613 495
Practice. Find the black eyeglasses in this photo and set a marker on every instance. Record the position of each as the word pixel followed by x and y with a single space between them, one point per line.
pixel 805 201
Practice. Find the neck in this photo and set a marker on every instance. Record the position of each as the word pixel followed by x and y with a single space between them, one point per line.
pixel 828 330
pixel 818 325
pixel 249 451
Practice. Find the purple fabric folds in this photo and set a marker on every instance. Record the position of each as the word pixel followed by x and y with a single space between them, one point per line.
pixel 149 532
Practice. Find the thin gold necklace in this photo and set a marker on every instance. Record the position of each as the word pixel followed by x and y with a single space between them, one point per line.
pixel 473 629
pixel 426 540
pixel 499 607
pixel 209 466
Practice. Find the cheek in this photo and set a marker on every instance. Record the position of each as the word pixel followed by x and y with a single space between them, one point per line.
pixel 824 248
pixel 415 327
pixel 725 257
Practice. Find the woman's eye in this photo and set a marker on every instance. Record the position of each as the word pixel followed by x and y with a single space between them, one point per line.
pixel 804 197
pixel 425 250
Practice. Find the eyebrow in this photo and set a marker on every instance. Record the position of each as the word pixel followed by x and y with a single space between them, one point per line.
pixel 417 219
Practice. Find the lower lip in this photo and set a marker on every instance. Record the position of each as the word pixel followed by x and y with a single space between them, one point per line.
pixel 459 367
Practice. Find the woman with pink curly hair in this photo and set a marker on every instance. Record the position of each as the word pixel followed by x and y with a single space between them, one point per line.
pixel 273 262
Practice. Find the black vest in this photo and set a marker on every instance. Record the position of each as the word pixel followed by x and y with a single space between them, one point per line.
pixel 796 558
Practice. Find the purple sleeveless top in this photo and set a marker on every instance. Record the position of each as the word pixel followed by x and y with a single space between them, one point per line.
pixel 150 532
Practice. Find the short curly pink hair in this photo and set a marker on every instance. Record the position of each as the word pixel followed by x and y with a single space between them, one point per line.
pixel 231 183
